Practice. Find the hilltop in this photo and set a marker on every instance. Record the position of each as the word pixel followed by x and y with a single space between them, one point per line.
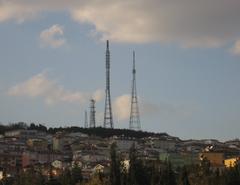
pixel 97 131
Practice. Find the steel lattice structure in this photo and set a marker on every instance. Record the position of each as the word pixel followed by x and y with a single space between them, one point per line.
pixel 134 122
pixel 92 123
pixel 86 120
pixel 108 120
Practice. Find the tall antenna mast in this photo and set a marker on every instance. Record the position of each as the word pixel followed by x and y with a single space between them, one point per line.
pixel 86 120
pixel 108 120
pixel 92 114
pixel 134 122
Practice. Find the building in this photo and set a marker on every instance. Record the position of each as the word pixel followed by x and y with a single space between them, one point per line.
pixel 215 158
pixel 11 162
pixel 24 134
pixel 34 157
pixel 179 159
pixel 37 144
pixel 231 162
pixel 168 145
pixel 125 144
pixel 11 155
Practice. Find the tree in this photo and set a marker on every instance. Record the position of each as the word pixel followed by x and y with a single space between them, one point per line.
pixel 184 177
pixel 124 175
pixel 155 176
pixel 97 179
pixel 142 173
pixel 76 174
pixel 205 166
pixel 132 167
pixel 139 174
pixel 233 175
pixel 115 177
pixel 167 175
pixel 29 177
pixel 66 177
pixel 52 179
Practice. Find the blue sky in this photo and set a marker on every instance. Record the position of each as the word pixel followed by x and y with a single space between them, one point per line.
pixel 187 59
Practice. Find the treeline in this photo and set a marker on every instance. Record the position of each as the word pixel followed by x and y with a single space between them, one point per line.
pixel 136 172
pixel 97 131
pixel 108 132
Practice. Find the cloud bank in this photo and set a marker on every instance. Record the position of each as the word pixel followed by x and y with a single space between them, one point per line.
pixel 188 23
pixel 41 86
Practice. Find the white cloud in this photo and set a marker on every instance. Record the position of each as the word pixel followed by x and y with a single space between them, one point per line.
pixel 166 111
pixel 121 107
pixel 236 48
pixel 98 95
pixel 187 22
pixel 40 86
pixel 53 36
pixel 13 10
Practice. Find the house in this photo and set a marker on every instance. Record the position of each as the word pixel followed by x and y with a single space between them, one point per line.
pixel 215 158
pixel 37 144
pixel 34 157
pixel 231 162
pixel 98 168
pixel 179 159
pixel 168 145
pixel 124 144
pixel 24 134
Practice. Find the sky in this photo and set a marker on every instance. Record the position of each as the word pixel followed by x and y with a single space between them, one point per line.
pixel 52 62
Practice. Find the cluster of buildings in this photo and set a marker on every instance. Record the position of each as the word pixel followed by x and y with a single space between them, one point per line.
pixel 23 149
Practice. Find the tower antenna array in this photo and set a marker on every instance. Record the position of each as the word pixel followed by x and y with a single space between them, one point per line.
pixel 134 122
pixel 86 120
pixel 92 113
pixel 108 120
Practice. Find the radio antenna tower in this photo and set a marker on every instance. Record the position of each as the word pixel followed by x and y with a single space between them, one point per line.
pixel 86 120
pixel 134 122
pixel 92 123
pixel 108 120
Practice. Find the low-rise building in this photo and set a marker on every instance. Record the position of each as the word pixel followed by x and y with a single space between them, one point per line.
pixel 124 144
pixel 34 157
pixel 179 159
pixel 168 145
pixel 231 162
pixel 37 144
pixel 215 158
pixel 25 134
